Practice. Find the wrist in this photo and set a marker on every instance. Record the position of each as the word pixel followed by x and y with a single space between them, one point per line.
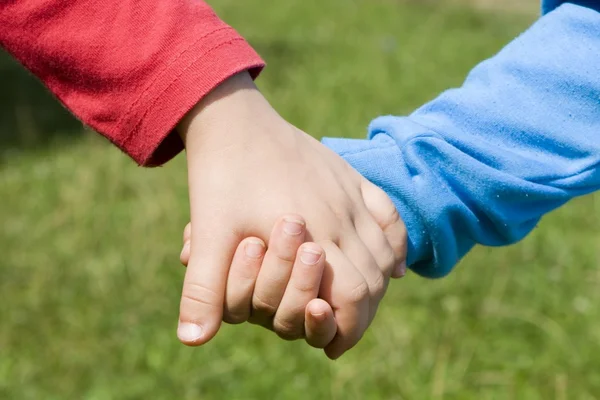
pixel 231 100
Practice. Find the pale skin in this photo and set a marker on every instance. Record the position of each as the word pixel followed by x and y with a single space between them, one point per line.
pixel 299 312
pixel 247 167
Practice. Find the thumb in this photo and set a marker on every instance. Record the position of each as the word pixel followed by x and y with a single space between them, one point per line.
pixel 203 294
pixel 386 215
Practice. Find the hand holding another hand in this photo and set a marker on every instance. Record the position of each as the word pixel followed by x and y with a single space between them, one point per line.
pixel 247 167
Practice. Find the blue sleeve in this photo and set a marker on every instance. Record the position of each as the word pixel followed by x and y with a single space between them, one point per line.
pixel 483 163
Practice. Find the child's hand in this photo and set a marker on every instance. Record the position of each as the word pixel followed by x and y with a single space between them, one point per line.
pixel 246 167
pixel 285 277
pixel 296 312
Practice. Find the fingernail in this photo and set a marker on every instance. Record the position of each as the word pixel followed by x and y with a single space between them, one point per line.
pixel 400 270
pixel 254 248
pixel 293 227
pixel 310 256
pixel 189 332
pixel 186 246
pixel 319 317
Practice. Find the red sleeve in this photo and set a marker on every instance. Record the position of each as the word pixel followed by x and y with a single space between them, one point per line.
pixel 130 69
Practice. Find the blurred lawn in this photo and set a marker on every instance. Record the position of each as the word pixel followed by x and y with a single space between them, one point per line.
pixel 90 280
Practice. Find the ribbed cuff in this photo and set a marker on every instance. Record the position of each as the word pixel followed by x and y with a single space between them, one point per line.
pixel 150 140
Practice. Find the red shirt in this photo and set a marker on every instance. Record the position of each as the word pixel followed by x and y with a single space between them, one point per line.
pixel 130 69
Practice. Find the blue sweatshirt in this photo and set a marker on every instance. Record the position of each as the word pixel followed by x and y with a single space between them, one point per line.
pixel 481 164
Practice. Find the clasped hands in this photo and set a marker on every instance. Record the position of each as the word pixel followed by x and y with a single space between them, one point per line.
pixel 284 233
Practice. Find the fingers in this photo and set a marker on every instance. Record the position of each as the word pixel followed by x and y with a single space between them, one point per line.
pixel 241 280
pixel 302 287
pixel 364 262
pixel 354 248
pixel 203 294
pixel 319 323
pixel 184 257
pixel 345 289
pixel 287 236
pixel 371 235
pixel 387 217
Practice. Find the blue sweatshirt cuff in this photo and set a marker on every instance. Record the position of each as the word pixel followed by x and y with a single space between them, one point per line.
pixel 373 158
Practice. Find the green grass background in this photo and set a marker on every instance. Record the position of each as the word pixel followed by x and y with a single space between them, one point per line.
pixel 89 244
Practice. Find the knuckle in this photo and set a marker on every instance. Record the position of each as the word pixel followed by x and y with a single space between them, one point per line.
pixel 387 214
pixel 287 330
pixel 235 317
pixel 198 293
pixel 396 238
pixel 304 286
pixel 286 257
pixel 378 286
pixel 359 293
pixel 391 215
pixel 261 306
